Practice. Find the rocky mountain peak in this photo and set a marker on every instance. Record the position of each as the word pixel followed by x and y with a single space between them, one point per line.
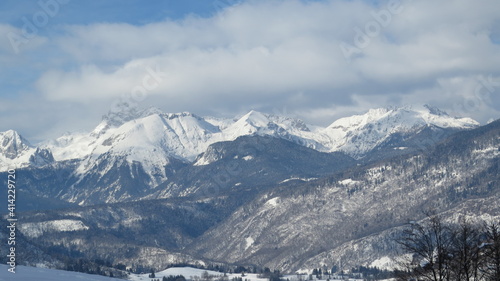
pixel 12 144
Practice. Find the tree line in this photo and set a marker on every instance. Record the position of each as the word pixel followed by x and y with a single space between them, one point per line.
pixel 442 251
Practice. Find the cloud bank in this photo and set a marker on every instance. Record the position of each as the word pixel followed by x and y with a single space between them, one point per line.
pixel 320 60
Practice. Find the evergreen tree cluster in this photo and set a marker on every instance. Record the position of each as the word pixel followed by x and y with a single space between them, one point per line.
pixel 174 278
pixel 271 275
pixel 367 273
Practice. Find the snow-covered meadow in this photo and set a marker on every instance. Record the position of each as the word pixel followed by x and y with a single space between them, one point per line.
pixel 24 273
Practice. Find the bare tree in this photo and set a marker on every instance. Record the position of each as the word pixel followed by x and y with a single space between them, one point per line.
pixel 491 250
pixel 442 252
pixel 430 243
pixel 466 255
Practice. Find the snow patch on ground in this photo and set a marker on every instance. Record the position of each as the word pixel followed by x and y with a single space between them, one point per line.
pixel 384 263
pixel 273 202
pixel 491 151
pixel 296 178
pixel 249 241
pixel 348 182
pixel 202 162
pixel 248 157
pixel 36 229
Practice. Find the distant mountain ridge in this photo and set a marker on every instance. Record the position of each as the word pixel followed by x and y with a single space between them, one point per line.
pixel 136 134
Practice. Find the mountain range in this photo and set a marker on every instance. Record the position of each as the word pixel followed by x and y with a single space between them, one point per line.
pixel 147 189
pixel 126 157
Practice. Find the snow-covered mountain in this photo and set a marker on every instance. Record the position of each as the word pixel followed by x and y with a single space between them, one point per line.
pixel 353 217
pixel 152 137
pixel 185 135
pixel 350 216
pixel 359 134
pixel 131 152
pixel 16 152
pixel 180 135
pixel 258 189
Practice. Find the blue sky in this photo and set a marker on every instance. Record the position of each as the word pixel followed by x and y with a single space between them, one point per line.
pixel 65 63
pixel 135 12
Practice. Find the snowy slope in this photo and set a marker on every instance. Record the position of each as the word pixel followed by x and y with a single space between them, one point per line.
pixel 24 273
pixel 258 123
pixel 358 134
pixel 182 135
pixel 190 273
pixel 150 140
pixel 71 145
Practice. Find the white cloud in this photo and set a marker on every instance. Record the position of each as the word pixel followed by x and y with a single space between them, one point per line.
pixel 15 41
pixel 270 54
pixel 261 48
